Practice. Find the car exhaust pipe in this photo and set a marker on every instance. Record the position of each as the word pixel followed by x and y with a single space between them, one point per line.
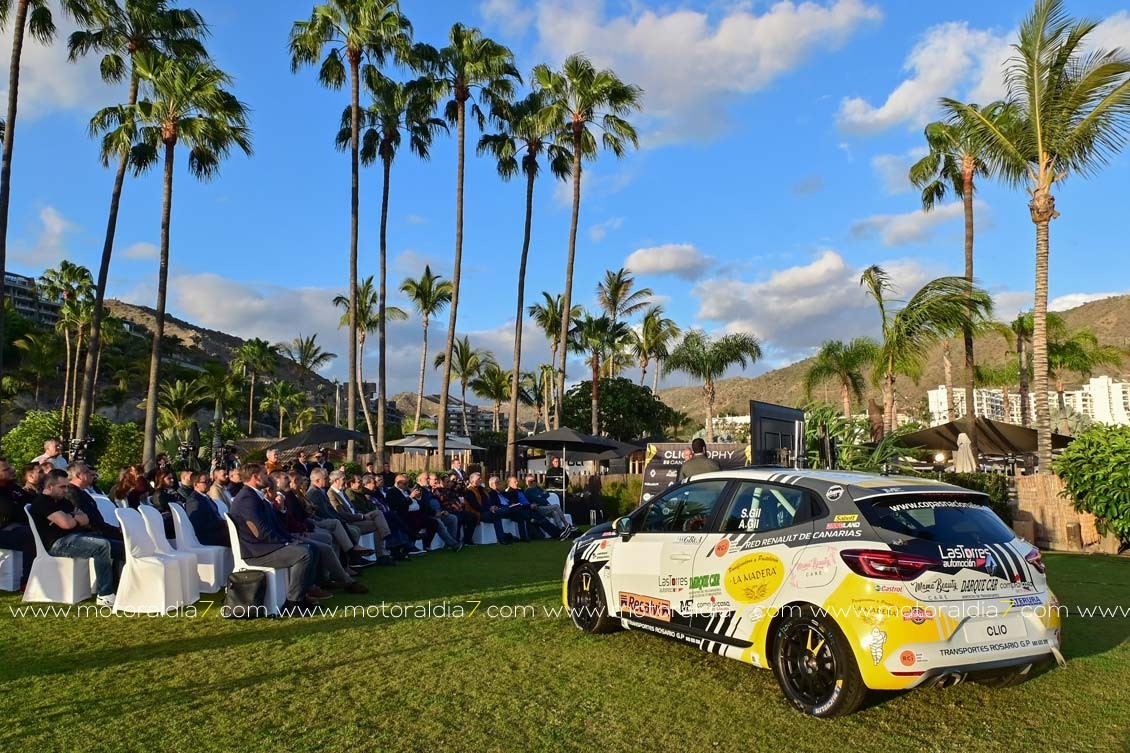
pixel 948 681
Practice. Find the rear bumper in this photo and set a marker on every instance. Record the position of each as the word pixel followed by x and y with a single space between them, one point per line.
pixel 954 674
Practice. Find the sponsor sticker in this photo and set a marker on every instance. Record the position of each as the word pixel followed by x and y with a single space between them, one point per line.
pixel 673 583
pixel 907 658
pixel 645 606
pixel 834 493
pixel 875 642
pixel 846 518
pixel 689 539
pixel 754 577
pixel 918 615
pixel 721 548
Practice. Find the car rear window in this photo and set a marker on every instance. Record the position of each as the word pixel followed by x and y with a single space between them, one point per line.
pixel 962 518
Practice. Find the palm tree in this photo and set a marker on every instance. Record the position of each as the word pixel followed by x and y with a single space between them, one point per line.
pixel 1019 333
pixel 70 284
pixel 1003 376
pixel 843 363
pixel 255 358
pixel 706 359
pixel 470 61
pixel 536 382
pixel 939 310
pixel 187 102
pixel 307 355
pixel 1069 113
pixel 582 99
pixel 120 32
pixel 953 161
pixel 179 401
pixel 40 358
pixel 397 109
pixel 615 296
pixel 283 397
pixel 597 337
pixel 1078 353
pixel 31 16
pixel 217 382
pixel 466 363
pixel 524 135
pixel 493 384
pixel 352 30
pixel 653 341
pixel 547 315
pixel 429 294
pixel 367 320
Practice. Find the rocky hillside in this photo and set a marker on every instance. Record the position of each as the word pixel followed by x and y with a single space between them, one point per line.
pixel 1108 318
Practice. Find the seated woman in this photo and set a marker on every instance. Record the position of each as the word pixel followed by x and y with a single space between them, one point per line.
pixel 164 494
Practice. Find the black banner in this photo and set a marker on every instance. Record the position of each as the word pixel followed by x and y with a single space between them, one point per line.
pixel 665 458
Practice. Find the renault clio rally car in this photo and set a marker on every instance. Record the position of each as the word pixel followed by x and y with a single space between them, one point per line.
pixel 840 582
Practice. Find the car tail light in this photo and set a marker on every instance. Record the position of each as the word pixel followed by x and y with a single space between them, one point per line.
pixel 1035 560
pixel 887 565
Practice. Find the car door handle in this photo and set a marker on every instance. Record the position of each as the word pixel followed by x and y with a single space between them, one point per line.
pixel 680 557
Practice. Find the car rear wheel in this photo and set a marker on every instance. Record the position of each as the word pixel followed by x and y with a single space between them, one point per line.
pixel 815 666
pixel 587 606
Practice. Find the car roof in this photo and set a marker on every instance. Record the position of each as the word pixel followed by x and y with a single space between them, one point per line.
pixel 859 485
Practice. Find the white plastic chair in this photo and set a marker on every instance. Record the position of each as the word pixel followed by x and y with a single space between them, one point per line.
pixel 11 568
pixel 368 541
pixel 222 506
pixel 106 508
pixel 484 534
pixel 277 578
pixel 151 581
pixel 64 580
pixel 214 563
pixel 190 581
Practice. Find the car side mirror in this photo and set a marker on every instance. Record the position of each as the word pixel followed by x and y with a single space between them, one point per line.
pixel 623 527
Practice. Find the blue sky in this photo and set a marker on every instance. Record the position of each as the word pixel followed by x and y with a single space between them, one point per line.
pixel 775 143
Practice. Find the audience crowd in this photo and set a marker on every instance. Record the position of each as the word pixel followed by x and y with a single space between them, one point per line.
pixel 305 516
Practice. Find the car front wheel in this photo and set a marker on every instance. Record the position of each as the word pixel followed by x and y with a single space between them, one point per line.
pixel 815 666
pixel 587 605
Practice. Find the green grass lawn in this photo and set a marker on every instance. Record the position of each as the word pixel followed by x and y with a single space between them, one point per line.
pixel 482 683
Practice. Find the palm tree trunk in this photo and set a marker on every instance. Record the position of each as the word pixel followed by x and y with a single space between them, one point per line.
pixel 423 365
pixel 967 332
pixel 845 396
pixel 361 396
pixel 947 367
pixel 708 393
pixel 74 383
pixel 381 393
pixel 1025 404
pixel 546 388
pixel 551 390
pixel 596 394
pixel 512 429
pixel 217 424
pixel 149 450
pixel 567 303
pixel 643 371
pixel 90 372
pixel 354 210
pixel 497 409
pixel 456 276
pixel 1043 210
pixel 251 407
pixel 463 397
pixel 889 420
pixel 19 24
pixel 655 378
pixel 66 381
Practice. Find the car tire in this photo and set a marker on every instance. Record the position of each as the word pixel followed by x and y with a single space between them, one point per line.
pixel 587 606
pixel 815 666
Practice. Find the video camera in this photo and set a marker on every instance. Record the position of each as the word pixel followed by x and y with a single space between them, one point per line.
pixel 225 457
pixel 76 449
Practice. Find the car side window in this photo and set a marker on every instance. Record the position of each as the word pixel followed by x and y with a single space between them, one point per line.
pixel 685 508
pixel 758 507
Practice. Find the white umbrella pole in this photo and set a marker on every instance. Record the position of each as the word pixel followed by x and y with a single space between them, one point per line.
pixel 562 476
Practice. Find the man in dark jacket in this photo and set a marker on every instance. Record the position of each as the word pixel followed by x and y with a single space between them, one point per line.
pixel 698 462
pixel 15 534
pixel 81 477
pixel 207 523
pixel 263 542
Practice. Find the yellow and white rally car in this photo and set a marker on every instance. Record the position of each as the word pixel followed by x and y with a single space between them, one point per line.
pixel 839 581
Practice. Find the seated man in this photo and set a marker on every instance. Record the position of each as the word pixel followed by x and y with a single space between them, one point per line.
pixel 263 542
pixel 15 534
pixel 81 478
pixel 371 522
pixel 209 526
pixel 218 491
pixel 325 516
pixel 52 454
pixel 540 500
pixel 273 465
pixel 66 532
pixel 498 509
pixel 399 538
pixel 432 505
pixel 406 502
pixel 519 502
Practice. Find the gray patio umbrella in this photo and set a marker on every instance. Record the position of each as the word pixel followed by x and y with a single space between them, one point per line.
pixel 568 440
pixel 316 435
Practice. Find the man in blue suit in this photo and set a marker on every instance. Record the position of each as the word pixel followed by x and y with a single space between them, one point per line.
pixel 209 526
pixel 262 541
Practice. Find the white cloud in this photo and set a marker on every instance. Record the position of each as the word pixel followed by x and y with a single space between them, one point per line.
pixel 689 63
pixel 1113 32
pixel 679 259
pixel 512 16
pixel 949 59
pixel 50 246
pixel 599 231
pixel 48 82
pixel 911 227
pixel 892 169
pixel 415 219
pixel 594 185
pixel 142 251
pixel 412 263
pixel 808 185
pixel 1008 304
pixel 797 308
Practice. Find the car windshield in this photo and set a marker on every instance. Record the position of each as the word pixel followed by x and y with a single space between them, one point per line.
pixel 955 518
